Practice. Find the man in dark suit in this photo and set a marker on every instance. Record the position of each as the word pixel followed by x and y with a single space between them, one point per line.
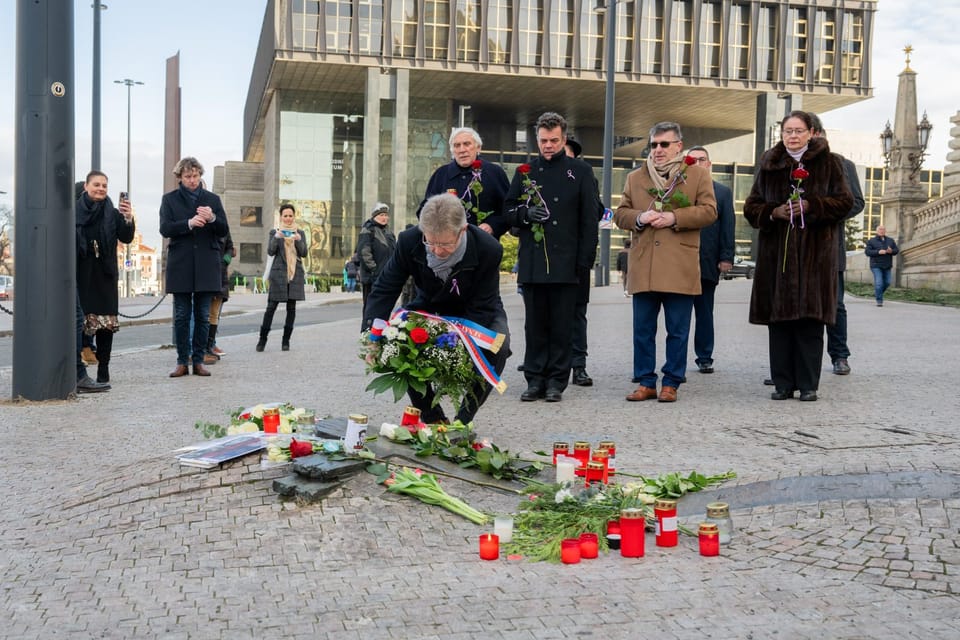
pixel 194 221
pixel 716 258
pixel 553 201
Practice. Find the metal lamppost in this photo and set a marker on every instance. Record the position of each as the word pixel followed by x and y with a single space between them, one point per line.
pixel 95 110
pixel 126 260
pixel 609 7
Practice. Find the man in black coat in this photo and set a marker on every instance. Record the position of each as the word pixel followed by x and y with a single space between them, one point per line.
pixel 480 185
pixel 554 203
pixel 716 257
pixel 456 269
pixel 194 221
pixel 375 244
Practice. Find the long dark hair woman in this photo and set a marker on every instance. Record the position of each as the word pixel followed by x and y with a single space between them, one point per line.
pixel 798 197
pixel 288 247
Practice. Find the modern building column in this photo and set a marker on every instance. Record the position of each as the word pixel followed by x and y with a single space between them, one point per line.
pixel 371 142
pixel 401 135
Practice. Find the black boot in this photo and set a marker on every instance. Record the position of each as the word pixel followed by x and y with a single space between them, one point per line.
pixel 104 350
pixel 285 343
pixel 211 338
pixel 263 338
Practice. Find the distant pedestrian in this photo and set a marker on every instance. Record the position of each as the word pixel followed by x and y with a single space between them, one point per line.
pixel 351 270
pixel 623 265
pixel 288 246
pixel 375 245
pixel 881 250
pixel 229 252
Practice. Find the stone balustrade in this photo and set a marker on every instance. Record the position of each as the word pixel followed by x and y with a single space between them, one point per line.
pixel 937 215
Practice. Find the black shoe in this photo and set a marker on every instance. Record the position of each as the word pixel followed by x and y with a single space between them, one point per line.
pixel 705 367
pixel 532 393
pixel 87 385
pixel 520 367
pixel 768 382
pixel 261 344
pixel 808 396
pixel 841 367
pixel 581 378
pixel 285 346
pixel 782 394
pixel 553 395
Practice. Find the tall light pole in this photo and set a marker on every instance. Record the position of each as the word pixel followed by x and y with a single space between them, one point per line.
pixel 609 7
pixel 126 261
pixel 95 110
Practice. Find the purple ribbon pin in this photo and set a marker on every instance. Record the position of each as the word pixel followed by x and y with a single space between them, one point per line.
pixel 454 287
pixel 570 174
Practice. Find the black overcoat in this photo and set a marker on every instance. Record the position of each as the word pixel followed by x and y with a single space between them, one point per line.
pixel 493 178
pixel 280 289
pixel 193 255
pixel 99 227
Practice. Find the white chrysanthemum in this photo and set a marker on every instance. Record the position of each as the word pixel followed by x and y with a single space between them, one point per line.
pixel 391 333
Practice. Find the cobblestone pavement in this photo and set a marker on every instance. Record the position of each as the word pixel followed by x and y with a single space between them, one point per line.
pixel 102 535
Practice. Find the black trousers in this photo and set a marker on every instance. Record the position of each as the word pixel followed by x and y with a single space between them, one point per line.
pixel 272 308
pixel 579 344
pixel 547 328
pixel 837 333
pixel 796 354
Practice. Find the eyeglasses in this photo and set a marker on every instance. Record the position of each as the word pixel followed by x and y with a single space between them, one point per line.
pixel 663 144
pixel 794 132
pixel 444 245
pixel 702 159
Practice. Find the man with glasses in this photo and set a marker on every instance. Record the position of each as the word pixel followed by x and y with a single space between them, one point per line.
pixel 554 204
pixel 456 269
pixel 716 258
pixel 665 203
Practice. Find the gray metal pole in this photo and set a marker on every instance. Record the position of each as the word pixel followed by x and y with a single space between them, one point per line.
pixel 95 117
pixel 126 260
pixel 602 278
pixel 44 319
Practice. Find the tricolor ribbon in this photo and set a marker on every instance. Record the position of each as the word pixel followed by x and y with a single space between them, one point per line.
pixel 474 338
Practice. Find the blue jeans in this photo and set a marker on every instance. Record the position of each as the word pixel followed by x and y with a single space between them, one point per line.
pixel 197 306
pixel 881 281
pixel 677 308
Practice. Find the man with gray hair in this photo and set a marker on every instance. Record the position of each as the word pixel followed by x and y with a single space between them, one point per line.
pixel 456 269
pixel 480 185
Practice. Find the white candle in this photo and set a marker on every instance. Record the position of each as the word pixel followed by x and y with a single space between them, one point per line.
pixel 566 469
pixel 503 527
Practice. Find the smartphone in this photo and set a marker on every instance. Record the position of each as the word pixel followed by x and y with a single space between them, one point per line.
pixel 124 196
pixel 287 234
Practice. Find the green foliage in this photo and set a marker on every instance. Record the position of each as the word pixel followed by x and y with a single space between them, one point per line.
pixel 210 430
pixel 853 235
pixel 926 296
pixel 510 246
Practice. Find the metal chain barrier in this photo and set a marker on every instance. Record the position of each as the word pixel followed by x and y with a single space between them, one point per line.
pixel 141 315
pixel 5 310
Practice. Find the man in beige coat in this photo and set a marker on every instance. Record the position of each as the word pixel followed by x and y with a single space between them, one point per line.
pixel 665 203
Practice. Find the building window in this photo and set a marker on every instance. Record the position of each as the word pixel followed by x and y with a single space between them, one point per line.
pixel 824 46
pixel 797 43
pixel 851 48
pixel 468 30
pixel 739 62
pixel 625 24
pixel 591 44
pixel 338 14
pixel 530 32
pixel 305 15
pixel 651 37
pixel 767 44
pixel 251 216
pixel 681 38
pixel 561 34
pixel 436 29
pixel 499 19
pixel 371 26
pixel 711 39
pixel 404 18
pixel 250 252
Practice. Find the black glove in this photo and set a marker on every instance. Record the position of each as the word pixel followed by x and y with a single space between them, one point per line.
pixel 535 214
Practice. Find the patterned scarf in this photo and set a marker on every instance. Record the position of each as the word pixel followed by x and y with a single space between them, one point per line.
pixel 663 174
pixel 289 249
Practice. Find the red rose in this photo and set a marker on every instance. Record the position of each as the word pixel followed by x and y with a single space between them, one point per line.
pixel 524 168
pixel 419 335
pixel 689 161
pixel 800 174
pixel 475 165
pixel 299 448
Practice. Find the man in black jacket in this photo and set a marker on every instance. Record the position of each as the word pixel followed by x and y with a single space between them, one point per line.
pixel 881 250
pixel 375 244
pixel 456 269
pixel 554 203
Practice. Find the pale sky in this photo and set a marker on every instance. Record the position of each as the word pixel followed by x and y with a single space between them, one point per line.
pixel 217 40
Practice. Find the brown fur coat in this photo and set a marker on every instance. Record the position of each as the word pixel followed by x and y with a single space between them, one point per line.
pixel 796 275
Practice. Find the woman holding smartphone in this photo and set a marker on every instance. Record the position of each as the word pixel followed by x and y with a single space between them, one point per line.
pixel 100 226
pixel 288 247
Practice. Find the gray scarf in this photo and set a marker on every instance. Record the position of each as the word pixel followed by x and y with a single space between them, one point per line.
pixel 443 266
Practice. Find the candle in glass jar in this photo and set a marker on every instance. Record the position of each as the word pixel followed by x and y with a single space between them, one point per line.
pixel 666 525
pixel 602 456
pixel 709 539
pixel 271 420
pixel 503 528
pixel 566 469
pixel 489 546
pixel 594 473
pixel 632 533
pixel 410 417
pixel 581 451
pixel 611 448
pixel 560 449
pixel 589 546
pixel 613 526
pixel 570 551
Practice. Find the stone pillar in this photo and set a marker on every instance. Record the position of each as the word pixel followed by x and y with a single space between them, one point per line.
pixel 951 173
pixel 401 139
pixel 371 142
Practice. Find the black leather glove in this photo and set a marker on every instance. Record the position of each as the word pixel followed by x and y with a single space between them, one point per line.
pixel 535 214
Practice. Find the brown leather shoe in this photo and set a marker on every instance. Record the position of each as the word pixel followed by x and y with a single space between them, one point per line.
pixel 667 394
pixel 200 370
pixel 209 358
pixel 642 393
pixel 180 371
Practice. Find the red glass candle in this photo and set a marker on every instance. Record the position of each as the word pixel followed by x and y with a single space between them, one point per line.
pixel 410 417
pixel 594 474
pixel 603 457
pixel 611 448
pixel 589 546
pixel 613 527
pixel 632 533
pixel 271 420
pixel 560 449
pixel 581 451
pixel 709 539
pixel 489 546
pixel 570 551
pixel 666 527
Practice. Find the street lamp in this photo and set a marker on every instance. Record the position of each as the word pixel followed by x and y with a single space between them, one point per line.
pixel 886 141
pixel 95 110
pixel 914 159
pixel 126 261
pixel 602 278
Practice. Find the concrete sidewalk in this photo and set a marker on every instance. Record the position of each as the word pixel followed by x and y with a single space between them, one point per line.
pixel 103 535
